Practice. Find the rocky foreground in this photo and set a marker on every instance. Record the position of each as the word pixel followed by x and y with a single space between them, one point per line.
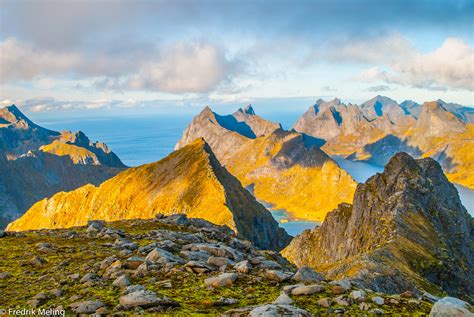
pixel 178 265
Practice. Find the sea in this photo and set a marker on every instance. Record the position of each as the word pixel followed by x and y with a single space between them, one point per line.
pixel 144 139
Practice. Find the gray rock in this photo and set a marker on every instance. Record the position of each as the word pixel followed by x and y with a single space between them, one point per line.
pixel 224 279
pixel 451 307
pixel 223 301
pixel 37 261
pixel 94 226
pixel 89 277
pixel 162 256
pixel 283 299
pixel 243 266
pixel 57 292
pixel 308 275
pixel 144 299
pixel 134 288
pixel 122 282
pixel 288 288
pixel 5 275
pixel 325 302
pixel 218 261
pixel 87 307
pixel 195 255
pixel 272 310
pixel 378 300
pixel 358 295
pixel 307 289
pixel 177 219
pixel 278 275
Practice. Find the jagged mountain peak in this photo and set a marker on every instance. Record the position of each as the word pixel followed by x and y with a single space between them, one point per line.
pixel 247 110
pixel 12 114
pixel 399 229
pixel 436 120
pixel 168 186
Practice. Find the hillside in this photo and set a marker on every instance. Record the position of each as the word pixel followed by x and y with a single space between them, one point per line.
pixel 189 181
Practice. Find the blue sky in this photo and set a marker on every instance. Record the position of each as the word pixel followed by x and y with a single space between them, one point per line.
pixel 118 56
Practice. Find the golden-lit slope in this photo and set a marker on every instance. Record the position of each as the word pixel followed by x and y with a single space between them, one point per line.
pixel 189 181
pixel 287 172
pixel 78 155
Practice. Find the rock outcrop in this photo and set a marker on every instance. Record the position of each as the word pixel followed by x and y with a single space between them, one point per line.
pixel 36 163
pixel 286 170
pixel 406 230
pixel 190 180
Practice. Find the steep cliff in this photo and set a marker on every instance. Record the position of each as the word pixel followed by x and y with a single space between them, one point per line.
pixel 406 229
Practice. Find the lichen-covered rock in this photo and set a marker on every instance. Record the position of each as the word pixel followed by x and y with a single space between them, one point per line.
pixel 87 307
pixel 144 299
pixel 451 307
pixel 222 280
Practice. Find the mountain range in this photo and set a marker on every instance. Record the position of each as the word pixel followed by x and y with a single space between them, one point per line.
pixel 36 163
pixel 166 187
pixel 379 128
pixel 285 169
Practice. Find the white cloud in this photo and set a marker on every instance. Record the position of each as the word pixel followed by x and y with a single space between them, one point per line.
pixel 448 67
pixel 194 67
pixel 198 67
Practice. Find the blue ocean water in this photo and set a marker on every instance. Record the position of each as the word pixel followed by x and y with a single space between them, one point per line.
pixel 139 140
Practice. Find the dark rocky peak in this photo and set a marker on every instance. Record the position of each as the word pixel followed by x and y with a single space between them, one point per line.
pixel 247 110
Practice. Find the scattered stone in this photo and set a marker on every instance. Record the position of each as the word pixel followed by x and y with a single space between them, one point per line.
pixel 134 288
pixel 122 282
pixel 177 220
pixel 87 307
pixel 161 256
pixel 283 299
pixel 218 261
pixel 364 306
pixel 307 275
pixel 37 261
pixel 89 277
pixel 273 310
pixel 102 311
pixel 224 279
pixel 342 301
pixel 225 301
pixel 325 302
pixel 288 288
pixel 34 303
pixel 358 295
pixel 377 311
pixel 378 300
pixel 451 307
pixel 144 299
pixel 429 297
pixel 95 226
pixel 243 266
pixel 57 292
pixel 74 276
pixel 307 289
pixel 5 275
pixel 278 276
pixel 337 289
pixel 133 263
pixel 407 294
pixel 345 284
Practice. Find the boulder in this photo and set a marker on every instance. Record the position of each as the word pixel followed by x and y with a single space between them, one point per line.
pixel 451 307
pixel 144 299
pixel 243 266
pixel 122 282
pixel 358 295
pixel 307 289
pixel 283 299
pixel 378 300
pixel 218 261
pixel 307 275
pixel 277 275
pixel 224 279
pixel 273 310
pixel 325 302
pixel 87 307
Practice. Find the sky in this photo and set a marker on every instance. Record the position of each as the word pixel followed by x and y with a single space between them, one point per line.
pixel 124 56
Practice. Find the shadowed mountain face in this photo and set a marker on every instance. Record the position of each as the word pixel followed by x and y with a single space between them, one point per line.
pixel 379 128
pixel 285 169
pixel 168 187
pixel 406 229
pixel 37 162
